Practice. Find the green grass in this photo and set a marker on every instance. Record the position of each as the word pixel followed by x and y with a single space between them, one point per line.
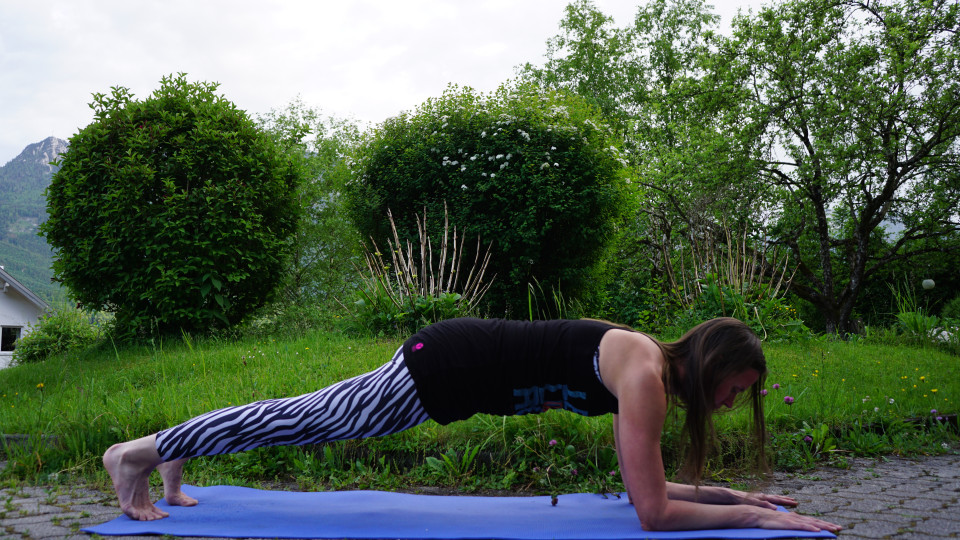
pixel 838 383
pixel 842 400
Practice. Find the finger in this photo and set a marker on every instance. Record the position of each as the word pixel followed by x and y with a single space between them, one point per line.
pixel 824 525
pixel 792 520
pixel 832 527
pixel 763 504
pixel 789 522
pixel 771 497
pixel 780 499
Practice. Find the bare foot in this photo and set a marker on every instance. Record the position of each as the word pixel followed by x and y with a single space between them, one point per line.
pixel 172 474
pixel 130 465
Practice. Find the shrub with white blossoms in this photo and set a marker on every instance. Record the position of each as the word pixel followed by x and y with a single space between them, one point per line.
pixel 539 174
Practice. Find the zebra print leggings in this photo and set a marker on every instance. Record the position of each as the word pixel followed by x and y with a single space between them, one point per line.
pixel 380 402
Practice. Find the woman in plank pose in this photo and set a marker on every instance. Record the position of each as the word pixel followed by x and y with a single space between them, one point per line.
pixel 457 368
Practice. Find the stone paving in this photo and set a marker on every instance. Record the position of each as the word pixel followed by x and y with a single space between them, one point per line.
pixel 891 498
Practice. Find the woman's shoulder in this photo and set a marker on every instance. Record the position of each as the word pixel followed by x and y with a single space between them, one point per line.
pixel 627 340
pixel 630 355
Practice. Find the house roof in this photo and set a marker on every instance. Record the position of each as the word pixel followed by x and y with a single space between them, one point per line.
pixel 6 280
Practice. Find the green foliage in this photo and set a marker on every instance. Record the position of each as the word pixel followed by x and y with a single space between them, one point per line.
pixel 287 319
pixel 411 288
pixel 556 463
pixel 913 319
pixel 817 125
pixel 646 305
pixel 917 324
pixel 172 212
pixel 856 107
pixel 952 309
pixel 804 448
pixel 770 316
pixel 738 277
pixel 325 248
pixel 550 303
pixel 579 60
pixel 694 168
pixel 64 330
pixel 376 312
pixel 454 466
pixel 534 172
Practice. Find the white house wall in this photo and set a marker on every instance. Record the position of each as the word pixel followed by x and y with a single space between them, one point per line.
pixel 16 310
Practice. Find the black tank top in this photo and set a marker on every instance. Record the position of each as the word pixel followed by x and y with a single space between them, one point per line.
pixel 466 366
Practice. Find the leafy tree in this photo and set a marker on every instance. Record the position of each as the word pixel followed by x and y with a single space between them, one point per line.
pixel 652 79
pixel 536 173
pixel 596 61
pixel 325 248
pixel 829 128
pixel 173 212
pixel 857 106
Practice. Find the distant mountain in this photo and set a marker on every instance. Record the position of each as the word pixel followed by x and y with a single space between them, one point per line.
pixel 23 207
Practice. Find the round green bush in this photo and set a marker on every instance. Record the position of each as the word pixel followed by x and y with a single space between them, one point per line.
pixel 55 333
pixel 538 174
pixel 172 212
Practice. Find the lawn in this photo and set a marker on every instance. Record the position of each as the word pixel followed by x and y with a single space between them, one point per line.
pixel 847 399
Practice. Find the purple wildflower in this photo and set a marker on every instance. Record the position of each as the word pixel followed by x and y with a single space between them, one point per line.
pixel 788 400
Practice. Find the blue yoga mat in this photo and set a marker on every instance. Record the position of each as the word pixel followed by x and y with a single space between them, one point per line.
pixel 237 512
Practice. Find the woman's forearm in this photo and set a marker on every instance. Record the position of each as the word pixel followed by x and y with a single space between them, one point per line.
pixel 685 492
pixel 722 495
pixel 686 515
pixel 616 448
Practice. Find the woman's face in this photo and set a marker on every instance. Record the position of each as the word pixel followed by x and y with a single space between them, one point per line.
pixel 729 387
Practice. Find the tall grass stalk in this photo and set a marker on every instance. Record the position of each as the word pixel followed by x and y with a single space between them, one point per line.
pixel 737 262
pixel 409 288
pixel 412 273
pixel 552 304
pixel 914 320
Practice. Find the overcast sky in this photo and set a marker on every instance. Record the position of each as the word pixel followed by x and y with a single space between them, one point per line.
pixel 361 59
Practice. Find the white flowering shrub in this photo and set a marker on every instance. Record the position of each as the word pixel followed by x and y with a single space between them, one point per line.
pixel 536 173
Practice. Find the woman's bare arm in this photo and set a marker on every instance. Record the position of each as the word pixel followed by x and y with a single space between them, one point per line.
pixel 722 495
pixel 710 494
pixel 666 506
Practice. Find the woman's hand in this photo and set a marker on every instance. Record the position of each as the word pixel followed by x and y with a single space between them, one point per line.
pixel 763 500
pixel 773 519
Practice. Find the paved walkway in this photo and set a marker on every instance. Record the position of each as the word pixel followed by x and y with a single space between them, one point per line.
pixel 892 498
